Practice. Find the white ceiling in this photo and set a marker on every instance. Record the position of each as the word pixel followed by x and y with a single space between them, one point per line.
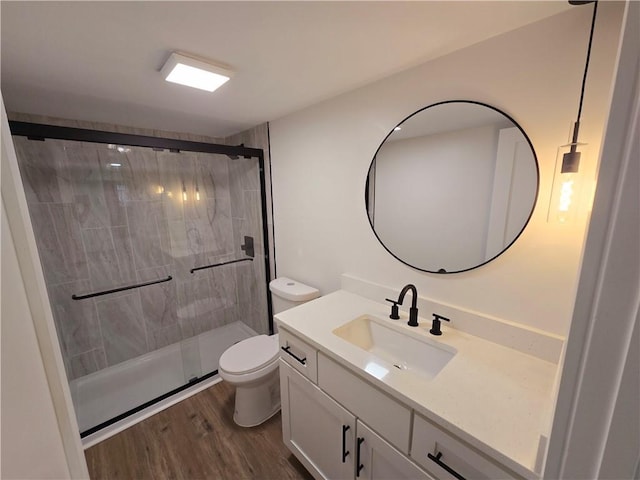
pixel 99 61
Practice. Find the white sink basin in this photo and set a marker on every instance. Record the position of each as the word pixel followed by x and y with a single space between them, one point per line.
pixel 394 346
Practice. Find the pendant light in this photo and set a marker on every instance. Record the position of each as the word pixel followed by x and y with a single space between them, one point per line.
pixel 567 183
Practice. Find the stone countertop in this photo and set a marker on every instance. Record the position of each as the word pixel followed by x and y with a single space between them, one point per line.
pixel 495 398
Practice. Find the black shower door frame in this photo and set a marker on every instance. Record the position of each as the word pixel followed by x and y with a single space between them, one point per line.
pixel 37 131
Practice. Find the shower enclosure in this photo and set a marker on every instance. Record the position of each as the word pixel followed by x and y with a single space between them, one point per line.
pixel 154 255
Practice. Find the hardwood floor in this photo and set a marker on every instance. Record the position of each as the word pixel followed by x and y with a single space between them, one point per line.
pixel 196 438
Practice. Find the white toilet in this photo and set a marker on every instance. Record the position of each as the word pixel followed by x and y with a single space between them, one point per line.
pixel 252 364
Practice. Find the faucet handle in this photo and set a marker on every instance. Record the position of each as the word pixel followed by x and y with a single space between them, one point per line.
pixel 435 327
pixel 394 309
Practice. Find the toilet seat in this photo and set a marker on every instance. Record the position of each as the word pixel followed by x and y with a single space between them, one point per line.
pixel 250 355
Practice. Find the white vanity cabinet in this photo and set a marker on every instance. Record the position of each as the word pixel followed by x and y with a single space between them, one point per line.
pixel 331 441
pixel 340 426
pixel 479 415
pixel 328 439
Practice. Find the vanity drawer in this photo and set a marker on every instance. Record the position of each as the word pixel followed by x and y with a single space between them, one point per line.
pixel 299 354
pixel 386 416
pixel 445 456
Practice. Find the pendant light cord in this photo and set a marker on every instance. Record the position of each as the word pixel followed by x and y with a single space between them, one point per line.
pixel 586 69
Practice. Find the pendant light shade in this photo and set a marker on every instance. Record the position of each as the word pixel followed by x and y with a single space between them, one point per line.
pixel 567 180
pixel 568 184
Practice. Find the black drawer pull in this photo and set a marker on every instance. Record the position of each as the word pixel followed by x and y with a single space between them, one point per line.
pixel 288 350
pixel 359 465
pixel 345 452
pixel 445 466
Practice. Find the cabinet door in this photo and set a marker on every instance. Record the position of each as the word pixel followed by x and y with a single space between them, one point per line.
pixel 376 459
pixel 319 432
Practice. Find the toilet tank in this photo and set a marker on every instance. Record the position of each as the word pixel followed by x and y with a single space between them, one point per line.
pixel 287 293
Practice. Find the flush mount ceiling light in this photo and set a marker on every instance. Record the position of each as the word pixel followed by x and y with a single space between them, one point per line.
pixel 194 72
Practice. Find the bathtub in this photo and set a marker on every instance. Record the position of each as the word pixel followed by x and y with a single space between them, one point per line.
pixel 108 393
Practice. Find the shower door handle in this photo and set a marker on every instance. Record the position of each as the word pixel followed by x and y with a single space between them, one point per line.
pixel 120 289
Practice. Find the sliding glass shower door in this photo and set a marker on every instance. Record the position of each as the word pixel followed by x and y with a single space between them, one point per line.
pixel 154 261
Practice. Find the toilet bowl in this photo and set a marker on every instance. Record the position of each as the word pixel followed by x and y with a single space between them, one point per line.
pixel 252 364
pixel 252 367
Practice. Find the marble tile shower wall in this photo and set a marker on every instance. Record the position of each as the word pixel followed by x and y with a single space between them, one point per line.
pixel 98 227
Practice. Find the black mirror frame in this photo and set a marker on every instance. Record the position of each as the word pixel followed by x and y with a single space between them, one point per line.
pixel 524 226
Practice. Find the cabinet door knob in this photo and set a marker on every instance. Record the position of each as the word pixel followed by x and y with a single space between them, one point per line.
pixel 359 466
pixel 440 463
pixel 345 452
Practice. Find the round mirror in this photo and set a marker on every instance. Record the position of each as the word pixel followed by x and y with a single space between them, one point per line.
pixel 452 187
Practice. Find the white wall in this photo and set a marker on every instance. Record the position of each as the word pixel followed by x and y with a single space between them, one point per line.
pixel 31 441
pixel 40 436
pixel 321 155
pixel 596 427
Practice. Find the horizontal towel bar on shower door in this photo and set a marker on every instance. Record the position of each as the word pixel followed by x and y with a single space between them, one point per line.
pixel 121 289
pixel 248 259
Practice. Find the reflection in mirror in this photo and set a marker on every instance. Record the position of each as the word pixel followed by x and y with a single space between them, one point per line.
pixel 452 187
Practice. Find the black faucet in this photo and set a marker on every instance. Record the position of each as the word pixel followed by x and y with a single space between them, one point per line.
pixel 413 311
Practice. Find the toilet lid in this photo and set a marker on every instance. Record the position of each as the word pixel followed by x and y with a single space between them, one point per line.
pixel 250 354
